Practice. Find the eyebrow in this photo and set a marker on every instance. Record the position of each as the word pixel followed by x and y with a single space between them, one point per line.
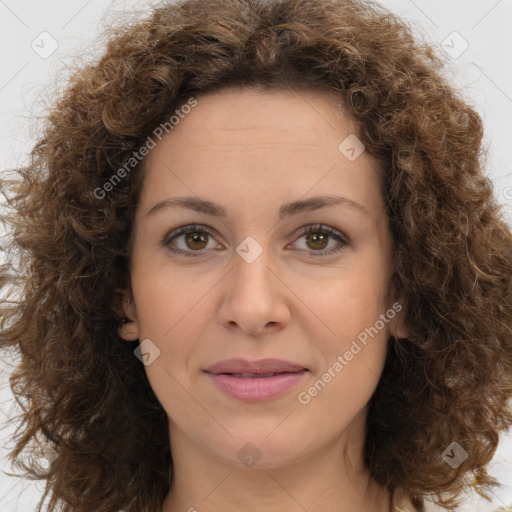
pixel 293 208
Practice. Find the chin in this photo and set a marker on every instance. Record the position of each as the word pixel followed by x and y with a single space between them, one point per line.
pixel 265 449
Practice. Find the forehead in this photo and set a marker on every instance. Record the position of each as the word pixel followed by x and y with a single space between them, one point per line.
pixel 263 144
pixel 304 126
pixel 244 110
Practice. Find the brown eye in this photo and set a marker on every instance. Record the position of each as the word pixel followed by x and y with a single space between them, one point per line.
pixel 190 241
pixel 196 240
pixel 317 241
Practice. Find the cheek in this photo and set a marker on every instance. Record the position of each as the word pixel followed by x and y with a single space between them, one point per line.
pixel 353 346
pixel 172 311
pixel 350 301
pixel 167 298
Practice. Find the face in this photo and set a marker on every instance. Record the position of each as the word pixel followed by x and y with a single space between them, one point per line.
pixel 269 268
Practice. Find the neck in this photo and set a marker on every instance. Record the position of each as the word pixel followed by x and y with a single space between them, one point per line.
pixel 332 478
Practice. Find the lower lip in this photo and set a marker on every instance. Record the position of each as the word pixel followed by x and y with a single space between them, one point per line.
pixel 256 389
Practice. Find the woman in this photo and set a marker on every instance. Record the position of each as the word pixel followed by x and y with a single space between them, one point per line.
pixel 262 268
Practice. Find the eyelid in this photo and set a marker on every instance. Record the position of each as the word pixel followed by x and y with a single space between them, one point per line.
pixel 313 228
pixel 299 233
pixel 331 232
pixel 183 230
pixel 188 228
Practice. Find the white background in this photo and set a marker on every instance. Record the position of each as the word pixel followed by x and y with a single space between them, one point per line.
pixel 483 71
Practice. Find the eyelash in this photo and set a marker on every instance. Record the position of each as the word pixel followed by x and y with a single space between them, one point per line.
pixel 311 229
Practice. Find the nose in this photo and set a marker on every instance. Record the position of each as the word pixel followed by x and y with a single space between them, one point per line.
pixel 255 299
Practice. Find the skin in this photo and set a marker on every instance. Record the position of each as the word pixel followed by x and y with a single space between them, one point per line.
pixel 250 151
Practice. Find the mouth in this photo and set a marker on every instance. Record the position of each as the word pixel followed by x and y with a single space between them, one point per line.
pixel 262 367
pixel 256 381
pixel 256 375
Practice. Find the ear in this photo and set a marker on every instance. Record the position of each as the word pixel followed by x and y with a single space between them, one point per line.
pixel 397 314
pixel 129 329
pixel 397 324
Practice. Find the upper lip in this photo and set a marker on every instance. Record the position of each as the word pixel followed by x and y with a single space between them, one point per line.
pixel 261 366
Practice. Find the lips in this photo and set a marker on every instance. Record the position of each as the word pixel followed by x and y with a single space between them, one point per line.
pixel 251 375
pixel 261 368
pixel 255 381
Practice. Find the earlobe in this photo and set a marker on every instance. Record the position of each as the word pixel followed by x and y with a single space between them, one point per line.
pixel 399 332
pixel 397 325
pixel 129 328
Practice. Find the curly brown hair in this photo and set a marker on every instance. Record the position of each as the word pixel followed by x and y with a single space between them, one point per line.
pixel 82 390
